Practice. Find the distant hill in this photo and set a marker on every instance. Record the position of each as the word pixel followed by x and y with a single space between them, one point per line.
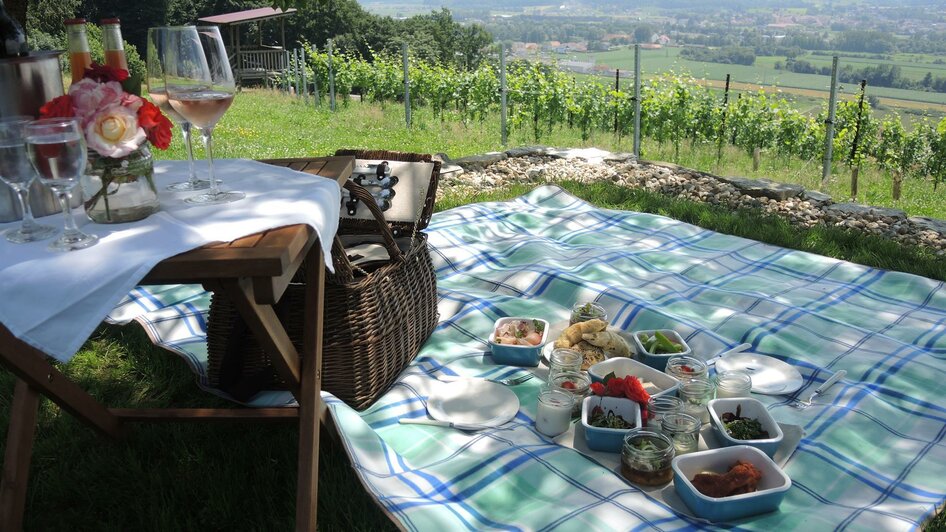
pixel 694 5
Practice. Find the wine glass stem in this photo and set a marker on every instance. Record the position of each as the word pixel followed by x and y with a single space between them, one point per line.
pixel 23 193
pixel 188 144
pixel 70 227
pixel 207 134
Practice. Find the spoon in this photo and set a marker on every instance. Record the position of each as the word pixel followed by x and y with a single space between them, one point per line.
pixel 738 349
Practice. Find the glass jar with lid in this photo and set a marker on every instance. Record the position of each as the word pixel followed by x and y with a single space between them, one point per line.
pixel 683 430
pixel 686 368
pixel 586 312
pixel 733 384
pixel 646 456
pixel 575 383
pixel 660 406
pixel 564 361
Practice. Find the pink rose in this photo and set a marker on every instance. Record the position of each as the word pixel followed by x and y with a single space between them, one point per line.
pixel 89 97
pixel 114 131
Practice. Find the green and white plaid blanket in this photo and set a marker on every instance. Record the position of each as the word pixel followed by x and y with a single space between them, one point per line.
pixel 873 456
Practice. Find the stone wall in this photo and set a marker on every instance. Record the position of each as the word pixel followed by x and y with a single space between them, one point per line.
pixel 805 208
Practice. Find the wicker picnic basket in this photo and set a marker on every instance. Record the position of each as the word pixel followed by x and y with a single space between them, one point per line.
pixel 376 315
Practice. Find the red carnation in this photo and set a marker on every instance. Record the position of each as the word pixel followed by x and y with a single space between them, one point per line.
pixel 615 387
pixel 156 125
pixel 105 73
pixel 635 390
pixel 58 107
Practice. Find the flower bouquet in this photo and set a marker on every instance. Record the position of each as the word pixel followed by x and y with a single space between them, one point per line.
pixel 118 129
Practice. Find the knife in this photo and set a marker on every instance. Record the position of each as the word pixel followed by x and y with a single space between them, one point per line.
pixel 438 423
pixel 738 349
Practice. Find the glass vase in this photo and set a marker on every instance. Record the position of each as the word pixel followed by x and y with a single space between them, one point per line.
pixel 120 189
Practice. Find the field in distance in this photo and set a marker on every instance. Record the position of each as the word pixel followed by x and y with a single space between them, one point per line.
pixel 764 75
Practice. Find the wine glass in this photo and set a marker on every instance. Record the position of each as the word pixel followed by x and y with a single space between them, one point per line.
pixel 200 87
pixel 157 47
pixel 57 150
pixel 16 171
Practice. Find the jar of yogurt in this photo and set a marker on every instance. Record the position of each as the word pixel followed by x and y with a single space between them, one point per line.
pixel 554 412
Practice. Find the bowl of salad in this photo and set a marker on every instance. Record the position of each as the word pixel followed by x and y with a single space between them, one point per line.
pixel 655 347
pixel 607 420
pixel 745 421
pixel 518 341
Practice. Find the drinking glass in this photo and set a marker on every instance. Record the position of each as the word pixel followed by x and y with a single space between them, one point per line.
pixel 200 87
pixel 16 171
pixel 57 150
pixel 157 90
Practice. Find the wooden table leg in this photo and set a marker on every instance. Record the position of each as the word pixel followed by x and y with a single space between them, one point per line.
pixel 307 489
pixel 19 451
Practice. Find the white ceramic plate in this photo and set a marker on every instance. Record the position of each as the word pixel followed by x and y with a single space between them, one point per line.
pixel 473 402
pixel 770 376
pixel 556 329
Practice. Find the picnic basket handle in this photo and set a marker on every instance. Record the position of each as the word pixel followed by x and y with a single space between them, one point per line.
pixel 366 199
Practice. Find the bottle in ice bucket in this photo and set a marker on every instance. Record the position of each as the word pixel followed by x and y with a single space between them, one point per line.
pixel 112 43
pixel 12 37
pixel 79 56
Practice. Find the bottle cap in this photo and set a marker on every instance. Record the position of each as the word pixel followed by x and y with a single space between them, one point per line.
pixel 113 20
pixel 73 21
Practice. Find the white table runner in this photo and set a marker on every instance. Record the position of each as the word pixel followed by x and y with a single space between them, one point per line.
pixel 53 301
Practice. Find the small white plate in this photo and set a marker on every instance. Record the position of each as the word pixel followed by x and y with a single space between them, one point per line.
pixel 473 402
pixel 770 376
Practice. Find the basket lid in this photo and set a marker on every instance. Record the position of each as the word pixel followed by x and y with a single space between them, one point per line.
pixel 403 184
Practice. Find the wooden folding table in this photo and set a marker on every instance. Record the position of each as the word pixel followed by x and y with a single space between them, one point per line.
pixel 253 272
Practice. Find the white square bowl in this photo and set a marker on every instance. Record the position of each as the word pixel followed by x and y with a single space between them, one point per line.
pixel 659 361
pixel 752 408
pixel 517 355
pixel 605 439
pixel 771 490
pixel 622 367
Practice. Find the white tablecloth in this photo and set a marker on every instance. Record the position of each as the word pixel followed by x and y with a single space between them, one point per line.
pixel 54 300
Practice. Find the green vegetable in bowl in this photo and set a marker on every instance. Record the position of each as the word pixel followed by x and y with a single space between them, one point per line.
pixel 659 344
pixel 609 420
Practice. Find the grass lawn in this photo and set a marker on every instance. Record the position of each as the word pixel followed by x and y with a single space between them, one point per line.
pixel 242 476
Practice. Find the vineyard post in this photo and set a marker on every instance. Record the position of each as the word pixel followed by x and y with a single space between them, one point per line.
pixel 637 101
pixel 855 158
pixel 284 85
pixel 504 132
pixel 722 127
pixel 407 87
pixel 316 94
pixel 829 123
pixel 331 79
pixel 295 71
pixel 617 88
pixel 305 81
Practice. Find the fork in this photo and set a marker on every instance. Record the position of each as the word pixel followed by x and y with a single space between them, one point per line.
pixel 508 381
pixel 801 405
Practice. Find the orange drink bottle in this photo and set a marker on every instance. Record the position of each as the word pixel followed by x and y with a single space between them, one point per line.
pixel 79 56
pixel 112 42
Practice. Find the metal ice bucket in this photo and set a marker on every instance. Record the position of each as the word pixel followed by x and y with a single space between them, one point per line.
pixel 26 83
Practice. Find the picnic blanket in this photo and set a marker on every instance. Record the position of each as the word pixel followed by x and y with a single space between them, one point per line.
pixel 873 456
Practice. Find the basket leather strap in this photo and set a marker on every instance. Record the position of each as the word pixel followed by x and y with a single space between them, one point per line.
pixel 343 265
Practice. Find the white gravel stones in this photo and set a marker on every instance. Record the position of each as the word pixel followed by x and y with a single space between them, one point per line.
pixel 805 209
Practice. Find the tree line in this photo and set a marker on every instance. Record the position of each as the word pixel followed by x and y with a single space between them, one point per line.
pixel 436 36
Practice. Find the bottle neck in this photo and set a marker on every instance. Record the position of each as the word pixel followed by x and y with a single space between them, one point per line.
pixel 112 37
pixel 78 41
